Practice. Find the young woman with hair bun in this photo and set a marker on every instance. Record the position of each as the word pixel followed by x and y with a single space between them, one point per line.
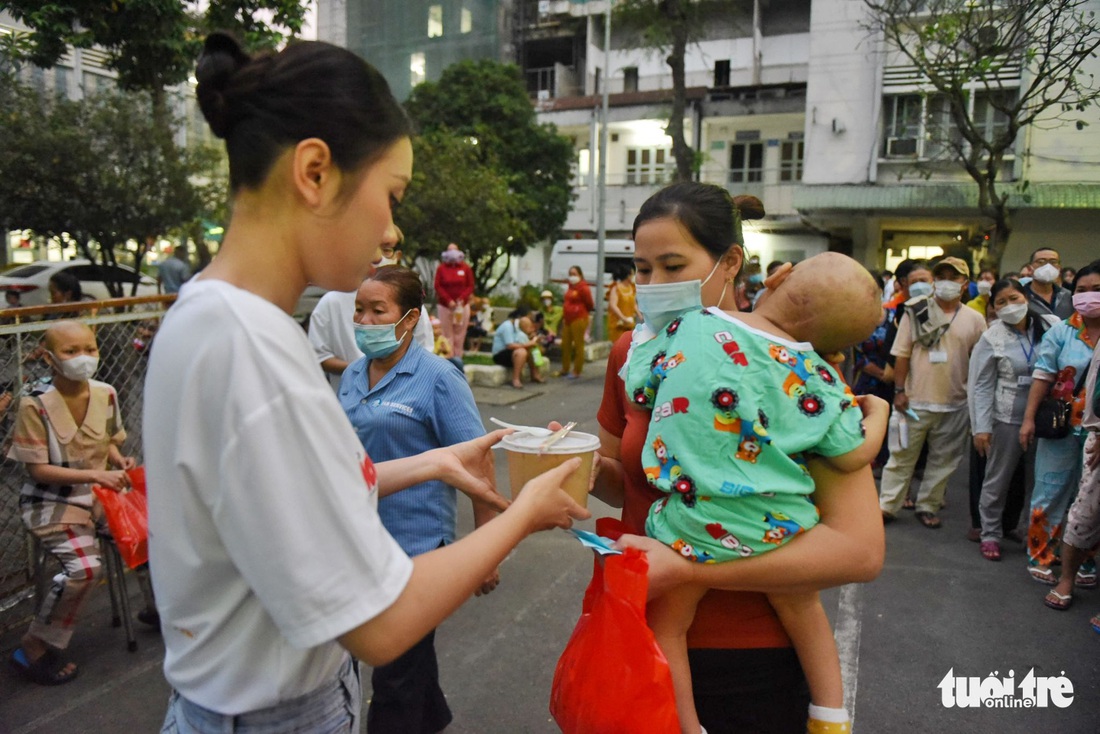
pixel 271 567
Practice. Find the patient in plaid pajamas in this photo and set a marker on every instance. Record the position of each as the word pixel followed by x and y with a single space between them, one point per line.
pixel 67 435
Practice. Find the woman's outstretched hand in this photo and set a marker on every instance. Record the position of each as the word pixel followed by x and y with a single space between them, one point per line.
pixel 667 568
pixel 469 468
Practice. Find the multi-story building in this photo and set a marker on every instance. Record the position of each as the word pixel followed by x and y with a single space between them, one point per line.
pixel 795 101
pixel 746 98
pixel 876 173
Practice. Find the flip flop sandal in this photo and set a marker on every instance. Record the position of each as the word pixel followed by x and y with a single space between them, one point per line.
pixel 1086 580
pixel 48 670
pixel 1042 575
pixel 929 520
pixel 908 505
pixel 1058 602
pixel 991 550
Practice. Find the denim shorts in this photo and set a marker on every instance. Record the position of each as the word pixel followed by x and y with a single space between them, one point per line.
pixel 333 708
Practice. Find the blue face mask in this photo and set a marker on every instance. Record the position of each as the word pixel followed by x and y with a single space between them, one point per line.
pixel 919 289
pixel 660 304
pixel 379 340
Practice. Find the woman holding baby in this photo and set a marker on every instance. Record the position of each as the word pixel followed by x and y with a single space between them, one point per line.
pixel 745 674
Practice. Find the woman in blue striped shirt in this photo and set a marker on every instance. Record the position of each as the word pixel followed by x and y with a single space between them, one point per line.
pixel 403 400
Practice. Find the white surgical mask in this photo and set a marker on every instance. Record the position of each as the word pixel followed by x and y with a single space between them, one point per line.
pixel 947 290
pixel 77 369
pixel 660 304
pixel 1013 313
pixel 920 289
pixel 984 287
pixel 1046 273
pixel 385 262
pixel 574 279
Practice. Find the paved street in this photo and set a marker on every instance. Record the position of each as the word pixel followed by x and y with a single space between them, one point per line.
pixel 937 606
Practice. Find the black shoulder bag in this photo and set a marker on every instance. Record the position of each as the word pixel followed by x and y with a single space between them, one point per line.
pixel 1052 419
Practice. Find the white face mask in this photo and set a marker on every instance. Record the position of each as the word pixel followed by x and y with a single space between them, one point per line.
pixel 984 287
pixel 920 289
pixel 1013 313
pixel 574 279
pixel 78 369
pixel 1046 274
pixel 947 290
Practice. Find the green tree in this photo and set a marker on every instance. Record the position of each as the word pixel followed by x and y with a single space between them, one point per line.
pixel 454 197
pixel 151 44
pixel 487 103
pixel 669 27
pixel 97 172
pixel 1021 60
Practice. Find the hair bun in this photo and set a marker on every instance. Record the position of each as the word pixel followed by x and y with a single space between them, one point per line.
pixel 749 206
pixel 221 58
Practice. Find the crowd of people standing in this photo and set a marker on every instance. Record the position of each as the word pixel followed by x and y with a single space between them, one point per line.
pixel 294 531
pixel 991 375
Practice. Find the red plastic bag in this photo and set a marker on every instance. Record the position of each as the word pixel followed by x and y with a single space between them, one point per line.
pixel 127 517
pixel 612 677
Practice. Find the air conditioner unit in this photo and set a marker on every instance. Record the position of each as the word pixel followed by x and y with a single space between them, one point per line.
pixel 544 94
pixel 901 147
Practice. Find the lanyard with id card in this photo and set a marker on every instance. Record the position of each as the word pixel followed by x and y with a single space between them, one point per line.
pixel 939 355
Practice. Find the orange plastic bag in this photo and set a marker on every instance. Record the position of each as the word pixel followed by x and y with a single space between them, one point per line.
pixel 612 677
pixel 127 517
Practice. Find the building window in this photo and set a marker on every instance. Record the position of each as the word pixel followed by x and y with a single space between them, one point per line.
pixel 630 79
pixel 747 162
pixel 466 20
pixel 903 125
pixel 417 68
pixel 648 166
pixel 988 119
pixel 722 73
pixel 922 126
pixel 435 21
pixel 61 81
pixel 790 160
pixel 582 163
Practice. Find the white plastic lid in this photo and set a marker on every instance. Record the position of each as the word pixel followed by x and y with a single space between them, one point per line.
pixel 574 442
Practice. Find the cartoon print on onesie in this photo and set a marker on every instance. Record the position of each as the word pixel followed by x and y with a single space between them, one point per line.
pixel 728 539
pixel 780 527
pixel 753 435
pixel 795 384
pixel 668 470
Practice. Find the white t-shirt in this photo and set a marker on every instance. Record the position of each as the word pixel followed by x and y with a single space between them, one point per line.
pixel 331 332
pixel 264 536
pixel 332 335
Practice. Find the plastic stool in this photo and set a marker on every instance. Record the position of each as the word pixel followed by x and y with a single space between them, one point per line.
pixel 116 583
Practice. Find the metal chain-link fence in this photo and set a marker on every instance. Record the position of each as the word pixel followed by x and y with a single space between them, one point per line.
pixel 124 330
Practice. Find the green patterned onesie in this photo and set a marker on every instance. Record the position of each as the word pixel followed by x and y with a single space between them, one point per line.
pixel 735 414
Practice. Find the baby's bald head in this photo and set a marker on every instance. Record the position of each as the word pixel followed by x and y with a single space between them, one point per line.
pixel 829 300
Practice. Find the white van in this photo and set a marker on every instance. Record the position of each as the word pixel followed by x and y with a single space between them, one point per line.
pixel 582 253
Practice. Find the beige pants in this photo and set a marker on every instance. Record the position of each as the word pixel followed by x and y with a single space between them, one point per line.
pixel 947 435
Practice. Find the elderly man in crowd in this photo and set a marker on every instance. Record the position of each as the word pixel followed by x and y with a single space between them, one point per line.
pixel 935 338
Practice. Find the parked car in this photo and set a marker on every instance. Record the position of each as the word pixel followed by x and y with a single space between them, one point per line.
pixel 32 281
